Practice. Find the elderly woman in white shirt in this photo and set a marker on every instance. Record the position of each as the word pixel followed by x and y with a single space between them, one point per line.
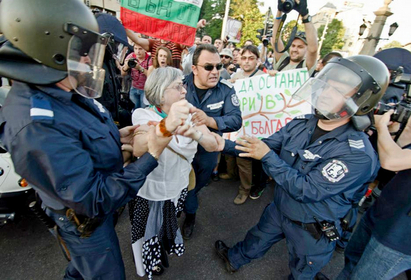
pixel 153 212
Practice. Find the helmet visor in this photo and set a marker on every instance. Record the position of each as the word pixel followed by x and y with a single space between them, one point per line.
pixel 333 92
pixel 84 64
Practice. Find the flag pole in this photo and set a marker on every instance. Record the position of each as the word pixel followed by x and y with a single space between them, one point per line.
pixel 223 29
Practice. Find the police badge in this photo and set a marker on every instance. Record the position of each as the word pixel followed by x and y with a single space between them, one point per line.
pixel 334 171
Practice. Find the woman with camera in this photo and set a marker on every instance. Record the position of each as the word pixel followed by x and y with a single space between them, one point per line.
pixel 162 58
pixel 138 62
pixel 153 212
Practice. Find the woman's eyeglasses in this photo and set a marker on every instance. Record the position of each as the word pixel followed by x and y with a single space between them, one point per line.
pixel 210 67
pixel 178 87
pixel 225 56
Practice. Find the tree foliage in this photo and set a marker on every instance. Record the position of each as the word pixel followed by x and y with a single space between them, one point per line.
pixel 213 12
pixel 245 11
pixel 287 29
pixel 252 19
pixel 333 39
pixel 393 44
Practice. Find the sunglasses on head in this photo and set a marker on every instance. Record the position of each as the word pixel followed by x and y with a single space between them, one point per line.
pixel 225 56
pixel 210 67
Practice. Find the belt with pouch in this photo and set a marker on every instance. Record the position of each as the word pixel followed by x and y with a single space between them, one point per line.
pixel 85 225
pixel 311 228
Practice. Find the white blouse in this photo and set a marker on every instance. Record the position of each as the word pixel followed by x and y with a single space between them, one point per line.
pixel 171 175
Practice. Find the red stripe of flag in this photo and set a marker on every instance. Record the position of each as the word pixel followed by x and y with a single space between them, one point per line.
pixel 157 28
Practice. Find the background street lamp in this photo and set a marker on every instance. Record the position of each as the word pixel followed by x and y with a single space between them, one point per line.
pixel 391 31
pixel 374 36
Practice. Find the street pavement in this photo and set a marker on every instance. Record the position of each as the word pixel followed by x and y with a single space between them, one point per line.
pixel 28 250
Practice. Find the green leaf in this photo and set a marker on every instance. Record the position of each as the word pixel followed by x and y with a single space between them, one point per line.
pixel 247 123
pixel 287 92
pixel 258 96
pixel 295 112
pixel 278 97
pixel 280 115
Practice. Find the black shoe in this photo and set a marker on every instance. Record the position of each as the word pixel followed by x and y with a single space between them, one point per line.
pixel 215 177
pixel 222 251
pixel 188 226
pixel 158 269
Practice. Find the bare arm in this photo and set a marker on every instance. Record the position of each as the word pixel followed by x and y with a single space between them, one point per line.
pixel 392 156
pixel 150 69
pixel 203 136
pixel 312 44
pixel 144 43
pixel 280 43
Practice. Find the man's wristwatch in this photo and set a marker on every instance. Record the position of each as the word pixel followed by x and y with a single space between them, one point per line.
pixel 307 19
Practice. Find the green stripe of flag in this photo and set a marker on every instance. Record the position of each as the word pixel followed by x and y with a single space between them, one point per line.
pixel 176 11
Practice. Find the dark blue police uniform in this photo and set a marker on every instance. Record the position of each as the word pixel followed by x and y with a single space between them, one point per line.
pixel 318 180
pixel 222 104
pixel 68 148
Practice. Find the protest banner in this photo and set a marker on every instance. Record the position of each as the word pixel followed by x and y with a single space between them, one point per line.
pixel 174 20
pixel 266 102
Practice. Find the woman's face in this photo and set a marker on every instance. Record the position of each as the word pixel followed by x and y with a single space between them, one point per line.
pixel 174 93
pixel 162 58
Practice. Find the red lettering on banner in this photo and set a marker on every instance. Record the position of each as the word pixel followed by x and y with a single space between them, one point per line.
pixel 265 128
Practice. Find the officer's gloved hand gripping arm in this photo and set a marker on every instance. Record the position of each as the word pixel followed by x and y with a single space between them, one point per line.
pixel 391 154
pixel 59 164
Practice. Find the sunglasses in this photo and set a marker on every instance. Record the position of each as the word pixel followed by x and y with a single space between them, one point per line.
pixel 225 56
pixel 210 67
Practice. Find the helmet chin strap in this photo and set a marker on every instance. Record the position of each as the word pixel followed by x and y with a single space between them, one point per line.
pixel 318 115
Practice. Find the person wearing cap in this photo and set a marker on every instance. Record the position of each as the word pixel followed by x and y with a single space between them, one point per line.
pixel 304 48
pixel 226 56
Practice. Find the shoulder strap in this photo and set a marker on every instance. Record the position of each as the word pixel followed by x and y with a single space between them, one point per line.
pixel 284 63
pixel 180 155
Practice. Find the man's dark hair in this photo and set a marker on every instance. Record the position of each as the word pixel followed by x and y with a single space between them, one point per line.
pixel 203 47
pixel 328 57
pixel 237 49
pixel 252 49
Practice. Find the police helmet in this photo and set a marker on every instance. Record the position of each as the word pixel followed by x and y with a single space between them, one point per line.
pixel 346 87
pixel 60 37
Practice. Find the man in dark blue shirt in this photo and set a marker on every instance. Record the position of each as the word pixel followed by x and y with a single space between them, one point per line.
pixel 61 140
pixel 218 107
pixel 320 163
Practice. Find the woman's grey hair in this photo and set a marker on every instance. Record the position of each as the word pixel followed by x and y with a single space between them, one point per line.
pixel 158 81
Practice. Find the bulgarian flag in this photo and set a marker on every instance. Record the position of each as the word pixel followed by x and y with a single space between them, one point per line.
pixel 171 20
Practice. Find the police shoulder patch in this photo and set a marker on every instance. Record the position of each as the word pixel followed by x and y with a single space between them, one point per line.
pixel 356 144
pixel 235 100
pixel 41 110
pixel 227 83
pixel 334 171
pixel 99 106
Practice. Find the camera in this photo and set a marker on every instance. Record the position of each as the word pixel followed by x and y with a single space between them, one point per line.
pixel 288 6
pixel 233 68
pixel 265 41
pixel 132 63
pixel 402 110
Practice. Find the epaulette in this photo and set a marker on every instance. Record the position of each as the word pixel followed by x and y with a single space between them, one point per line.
pixel 301 117
pixel 227 83
pixel 40 110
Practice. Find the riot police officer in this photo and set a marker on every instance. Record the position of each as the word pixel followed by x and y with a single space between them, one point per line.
pixel 320 163
pixel 64 143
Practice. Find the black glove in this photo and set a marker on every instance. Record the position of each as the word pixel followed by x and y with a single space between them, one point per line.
pixel 301 8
